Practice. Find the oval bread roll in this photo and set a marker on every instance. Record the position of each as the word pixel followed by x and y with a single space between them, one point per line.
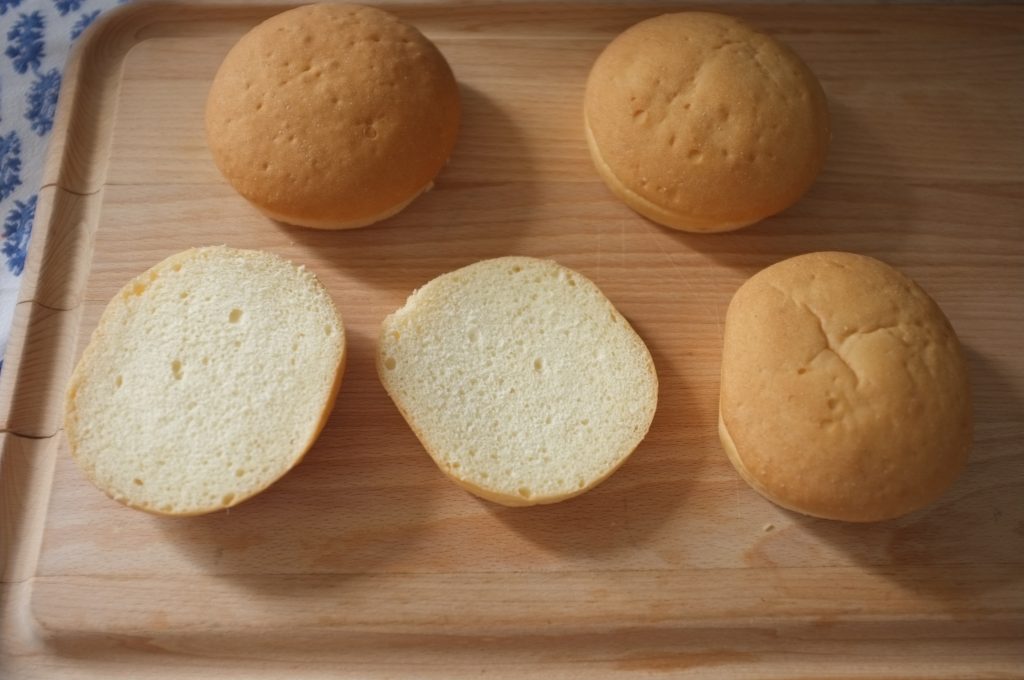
pixel 520 378
pixel 208 378
pixel 332 116
pixel 699 122
pixel 844 389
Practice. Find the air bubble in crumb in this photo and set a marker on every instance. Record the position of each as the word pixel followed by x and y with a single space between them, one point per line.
pixel 118 381
pixel 176 369
pixel 525 492
pixel 538 364
pixel 235 316
pixel 389 363
pixel 239 472
pixel 228 497
pixel 138 482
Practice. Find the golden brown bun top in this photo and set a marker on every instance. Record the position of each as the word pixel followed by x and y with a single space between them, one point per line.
pixel 844 388
pixel 332 113
pixel 703 116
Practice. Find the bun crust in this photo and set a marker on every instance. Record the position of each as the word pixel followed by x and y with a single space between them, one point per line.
pixel 521 380
pixel 207 378
pixel 844 389
pixel 332 116
pixel 700 123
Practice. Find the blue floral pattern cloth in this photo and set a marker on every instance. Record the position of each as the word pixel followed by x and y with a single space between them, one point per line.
pixel 37 35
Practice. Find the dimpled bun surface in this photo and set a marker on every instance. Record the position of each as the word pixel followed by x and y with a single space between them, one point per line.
pixel 520 379
pixel 332 116
pixel 844 389
pixel 208 377
pixel 699 122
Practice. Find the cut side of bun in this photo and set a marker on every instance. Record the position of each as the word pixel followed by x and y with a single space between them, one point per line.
pixel 520 378
pixel 208 378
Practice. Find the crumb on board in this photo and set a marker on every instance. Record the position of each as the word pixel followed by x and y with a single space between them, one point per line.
pixel 769 527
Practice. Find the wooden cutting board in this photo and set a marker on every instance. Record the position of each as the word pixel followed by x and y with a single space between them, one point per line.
pixel 364 562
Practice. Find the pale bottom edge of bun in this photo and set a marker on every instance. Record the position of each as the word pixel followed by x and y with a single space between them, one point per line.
pixel 351 224
pixel 737 461
pixel 653 211
pixel 734 457
pixel 517 501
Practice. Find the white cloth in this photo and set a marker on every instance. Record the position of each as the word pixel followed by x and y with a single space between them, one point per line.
pixel 36 36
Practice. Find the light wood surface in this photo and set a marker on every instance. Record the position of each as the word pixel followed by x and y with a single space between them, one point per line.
pixel 364 562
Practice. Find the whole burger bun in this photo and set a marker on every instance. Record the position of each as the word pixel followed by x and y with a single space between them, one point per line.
pixel 332 116
pixel 701 123
pixel 844 389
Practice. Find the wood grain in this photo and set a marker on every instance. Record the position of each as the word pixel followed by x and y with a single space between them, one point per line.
pixel 364 561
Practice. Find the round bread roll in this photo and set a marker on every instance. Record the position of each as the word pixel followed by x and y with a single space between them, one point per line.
pixel 208 378
pixel 844 389
pixel 699 122
pixel 520 379
pixel 332 116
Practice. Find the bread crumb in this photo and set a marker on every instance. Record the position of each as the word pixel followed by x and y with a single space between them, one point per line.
pixel 769 527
